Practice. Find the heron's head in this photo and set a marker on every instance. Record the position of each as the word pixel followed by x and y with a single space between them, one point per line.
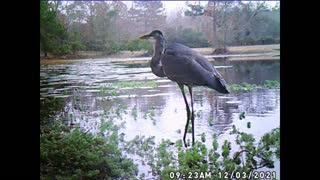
pixel 153 36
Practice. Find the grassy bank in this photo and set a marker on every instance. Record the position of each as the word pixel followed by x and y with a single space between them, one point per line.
pixel 205 51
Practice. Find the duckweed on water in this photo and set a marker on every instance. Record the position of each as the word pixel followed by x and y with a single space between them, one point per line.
pixel 243 87
pixel 66 92
pixel 190 127
pixel 145 115
pixel 270 84
pixel 107 91
pixel 248 124
pixel 151 115
pixel 136 84
pixel 242 115
pixel 203 137
pixel 210 121
pixel 134 112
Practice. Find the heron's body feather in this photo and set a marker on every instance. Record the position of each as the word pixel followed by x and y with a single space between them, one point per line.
pixel 186 66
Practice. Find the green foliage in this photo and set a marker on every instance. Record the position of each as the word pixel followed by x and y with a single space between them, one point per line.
pixel 138 45
pixel 187 37
pixel 53 36
pixel 73 154
pixel 194 39
pixel 48 109
pixel 249 157
pixel 112 47
pixel 267 148
pixel 271 140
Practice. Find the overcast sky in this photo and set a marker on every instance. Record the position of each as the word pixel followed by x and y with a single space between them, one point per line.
pixel 172 6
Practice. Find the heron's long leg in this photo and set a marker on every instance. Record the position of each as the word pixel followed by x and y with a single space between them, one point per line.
pixel 192 113
pixel 188 113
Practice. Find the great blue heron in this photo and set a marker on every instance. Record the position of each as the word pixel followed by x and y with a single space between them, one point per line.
pixel 184 66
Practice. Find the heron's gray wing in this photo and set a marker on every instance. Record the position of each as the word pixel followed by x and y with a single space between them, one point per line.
pixel 183 70
pixel 183 65
pixel 180 50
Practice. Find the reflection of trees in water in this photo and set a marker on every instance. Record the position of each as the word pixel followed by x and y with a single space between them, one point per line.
pixel 89 110
pixel 253 103
pixel 144 104
pixel 260 102
pixel 214 108
pixel 220 111
pixel 253 72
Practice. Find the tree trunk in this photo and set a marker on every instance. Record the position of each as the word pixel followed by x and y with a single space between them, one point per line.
pixel 214 28
pixel 224 25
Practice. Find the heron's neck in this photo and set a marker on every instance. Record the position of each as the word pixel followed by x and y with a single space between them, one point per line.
pixel 158 47
pixel 156 65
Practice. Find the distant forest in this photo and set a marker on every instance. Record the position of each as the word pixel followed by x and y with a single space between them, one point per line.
pixel 71 26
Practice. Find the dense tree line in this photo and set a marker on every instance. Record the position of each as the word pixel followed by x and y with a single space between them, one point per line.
pixel 68 27
pixel 227 23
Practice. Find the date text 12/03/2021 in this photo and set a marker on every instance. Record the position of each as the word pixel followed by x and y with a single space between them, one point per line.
pixel 224 175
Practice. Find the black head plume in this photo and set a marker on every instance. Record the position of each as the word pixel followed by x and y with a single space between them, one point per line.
pixel 156 32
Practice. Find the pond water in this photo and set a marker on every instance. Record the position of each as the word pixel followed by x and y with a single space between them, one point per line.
pixel 84 92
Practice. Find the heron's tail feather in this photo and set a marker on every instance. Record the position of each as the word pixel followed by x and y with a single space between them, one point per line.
pixel 219 84
pixel 223 87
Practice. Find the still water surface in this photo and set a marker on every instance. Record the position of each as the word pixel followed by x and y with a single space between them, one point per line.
pixel 85 89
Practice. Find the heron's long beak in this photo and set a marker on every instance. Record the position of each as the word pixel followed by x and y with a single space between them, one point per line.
pixel 147 36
